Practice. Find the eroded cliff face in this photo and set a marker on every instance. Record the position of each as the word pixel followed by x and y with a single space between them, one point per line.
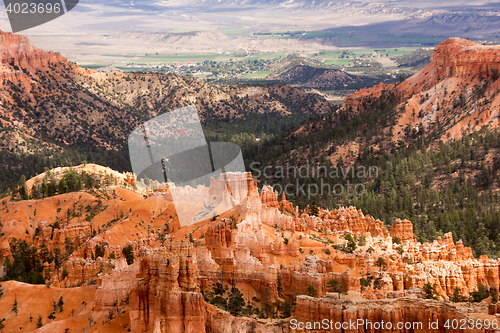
pixel 267 252
pixel 166 296
pixel 417 314
pixel 456 93
pixel 16 50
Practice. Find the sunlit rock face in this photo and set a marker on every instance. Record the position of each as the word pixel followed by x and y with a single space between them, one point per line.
pixel 165 296
pixel 456 90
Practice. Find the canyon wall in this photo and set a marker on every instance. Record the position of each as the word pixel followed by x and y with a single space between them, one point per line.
pixel 416 314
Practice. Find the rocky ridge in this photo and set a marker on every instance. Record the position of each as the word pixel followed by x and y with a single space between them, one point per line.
pixel 456 94
pixel 47 101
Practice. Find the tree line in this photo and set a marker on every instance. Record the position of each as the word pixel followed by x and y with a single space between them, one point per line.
pixel 439 186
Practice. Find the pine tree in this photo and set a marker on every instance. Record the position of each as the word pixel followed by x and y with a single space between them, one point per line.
pixel 14 306
pixel 60 304
pixel 236 302
pixel 279 283
pixel 128 252
pixel 311 291
pixel 23 189
pixel 335 286
pixel 457 296
pixel 430 291
pixel 285 309
pixel 267 302
pixel 380 262
pixel 313 209
pixel 481 294
pixel 351 244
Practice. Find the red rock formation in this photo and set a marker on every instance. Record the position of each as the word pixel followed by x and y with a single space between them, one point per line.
pixel 59 237
pixel 219 236
pixel 4 253
pixel 461 58
pixel 403 229
pixel 115 287
pixel 268 197
pixel 166 295
pixel 241 185
pixel 394 311
pixel 16 50
pixel 349 219
pixel 161 289
pixel 18 55
pixel 81 271
pixel 221 321
pixel 287 207
pixel 445 93
pixel 313 272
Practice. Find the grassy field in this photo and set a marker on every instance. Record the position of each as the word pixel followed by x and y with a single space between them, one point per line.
pixel 339 58
pixel 280 34
pixel 185 59
pixel 345 36
pixel 234 32
pixel 266 56
pixel 346 57
pixel 162 59
pixel 126 56
pixel 410 39
pixel 350 36
pixel 256 75
pixel 338 62
pixel 365 52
